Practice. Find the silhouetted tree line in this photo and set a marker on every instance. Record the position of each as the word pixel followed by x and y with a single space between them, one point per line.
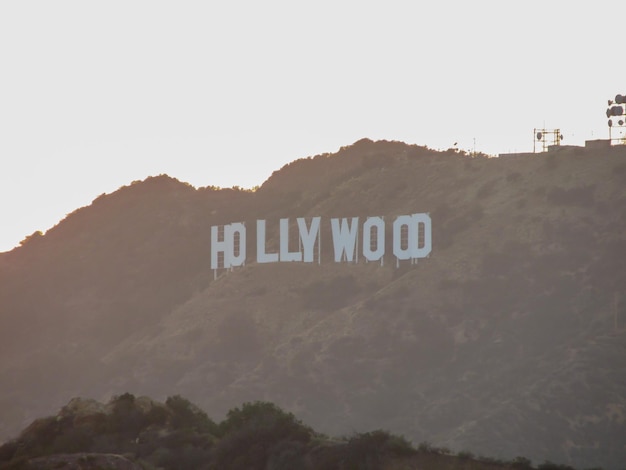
pixel 259 435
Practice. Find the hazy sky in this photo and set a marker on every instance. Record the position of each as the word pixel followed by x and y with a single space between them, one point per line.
pixel 96 94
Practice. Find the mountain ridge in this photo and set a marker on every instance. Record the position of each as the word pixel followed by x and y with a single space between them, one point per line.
pixel 507 340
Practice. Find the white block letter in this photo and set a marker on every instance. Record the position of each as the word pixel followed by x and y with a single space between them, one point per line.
pixel 378 224
pixel 412 248
pixel 309 236
pixel 219 246
pixel 425 221
pixel 229 233
pixel 344 238
pixel 398 224
pixel 261 256
pixel 285 254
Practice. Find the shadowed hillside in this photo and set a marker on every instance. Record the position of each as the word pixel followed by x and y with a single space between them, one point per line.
pixel 508 340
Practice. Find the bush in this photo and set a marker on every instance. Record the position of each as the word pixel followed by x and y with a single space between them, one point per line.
pixel 187 415
pixel 465 455
pixel 369 450
pixel 522 463
pixel 71 441
pixel 264 415
pixel 287 455
pixel 547 465
pixel 252 433
pixel 7 451
pixel 426 447
pixel 381 442
pixel 32 238
pixel 125 419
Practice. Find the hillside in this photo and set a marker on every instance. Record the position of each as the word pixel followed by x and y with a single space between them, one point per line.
pixel 510 339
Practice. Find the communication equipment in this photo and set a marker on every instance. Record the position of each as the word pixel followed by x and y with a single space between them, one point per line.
pixel 544 138
pixel 617 129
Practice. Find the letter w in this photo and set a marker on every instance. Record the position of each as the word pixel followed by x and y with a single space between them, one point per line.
pixel 344 238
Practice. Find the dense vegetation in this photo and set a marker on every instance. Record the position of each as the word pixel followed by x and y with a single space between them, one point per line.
pixel 178 435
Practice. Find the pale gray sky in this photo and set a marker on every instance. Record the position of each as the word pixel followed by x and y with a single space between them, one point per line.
pixel 94 94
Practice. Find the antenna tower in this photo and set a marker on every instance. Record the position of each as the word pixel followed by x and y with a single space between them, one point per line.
pixel 544 138
pixel 616 114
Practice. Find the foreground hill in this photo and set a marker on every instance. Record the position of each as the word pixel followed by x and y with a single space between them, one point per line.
pixel 89 435
pixel 508 340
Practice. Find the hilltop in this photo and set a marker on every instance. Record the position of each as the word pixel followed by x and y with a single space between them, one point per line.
pixel 508 340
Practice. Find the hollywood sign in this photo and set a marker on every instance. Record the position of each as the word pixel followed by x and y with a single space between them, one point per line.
pixel 412 239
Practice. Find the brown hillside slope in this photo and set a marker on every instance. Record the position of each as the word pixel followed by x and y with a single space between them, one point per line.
pixel 510 339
